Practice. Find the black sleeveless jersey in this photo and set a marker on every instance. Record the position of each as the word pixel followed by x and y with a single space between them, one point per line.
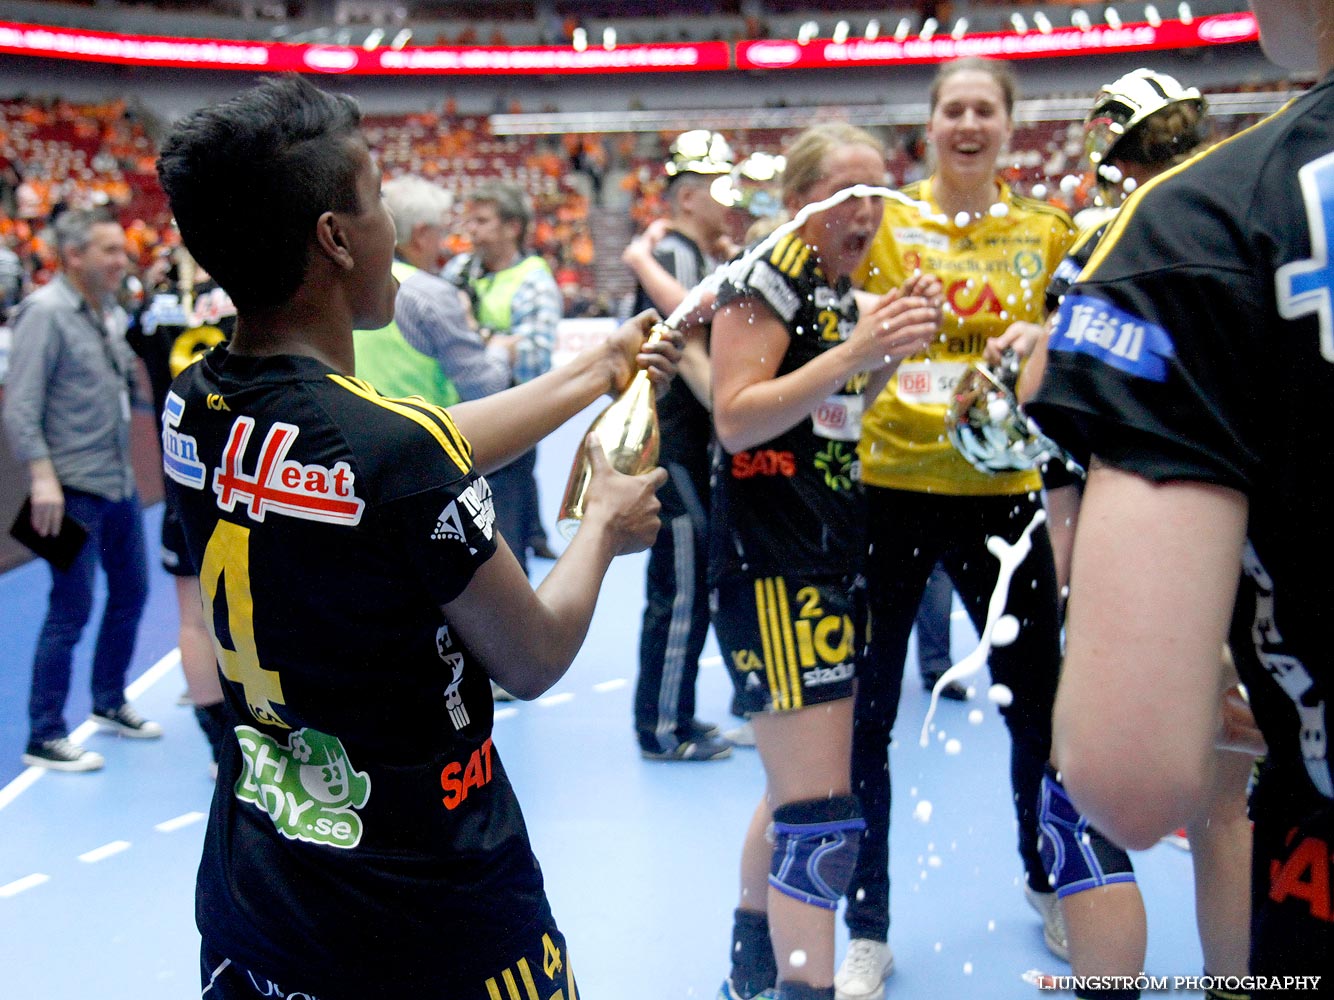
pixel 1198 344
pixel 794 504
pixel 362 817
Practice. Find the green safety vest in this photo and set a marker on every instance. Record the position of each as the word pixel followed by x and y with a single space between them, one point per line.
pixel 494 293
pixel 395 367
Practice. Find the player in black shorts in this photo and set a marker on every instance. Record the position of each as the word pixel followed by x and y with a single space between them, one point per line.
pixel 1192 360
pixel 791 361
pixel 364 840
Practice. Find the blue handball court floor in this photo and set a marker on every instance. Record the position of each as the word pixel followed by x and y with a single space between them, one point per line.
pixel 641 858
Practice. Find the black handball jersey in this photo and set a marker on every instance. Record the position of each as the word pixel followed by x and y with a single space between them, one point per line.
pixel 1198 344
pixel 793 504
pixel 362 819
pixel 684 423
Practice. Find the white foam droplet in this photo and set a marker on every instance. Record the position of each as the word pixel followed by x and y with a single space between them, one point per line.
pixel 962 219
pixel 1005 631
pixel 938 946
pixel 861 895
pixel 1069 183
pixel 999 694
pixel 1039 190
pixel 934 861
pixel 991 925
pixel 952 747
pixel 797 959
pixel 1129 184
pixel 967 968
pixel 976 716
pixel 922 813
pixel 997 411
pixel 999 210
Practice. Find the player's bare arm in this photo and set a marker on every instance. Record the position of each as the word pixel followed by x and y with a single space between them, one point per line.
pixel 527 639
pixel 1155 573
pixel 749 341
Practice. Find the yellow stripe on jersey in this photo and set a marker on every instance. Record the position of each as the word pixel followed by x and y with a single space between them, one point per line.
pixel 1084 237
pixel 1123 217
pixel 438 412
pixel 434 419
pixel 492 990
pixel 768 621
pixel 789 644
pixel 790 255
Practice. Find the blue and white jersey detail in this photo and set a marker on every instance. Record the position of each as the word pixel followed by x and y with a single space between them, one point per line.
pixel 180 454
pixel 1089 325
pixel 1304 286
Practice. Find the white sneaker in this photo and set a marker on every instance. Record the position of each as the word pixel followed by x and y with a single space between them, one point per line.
pixel 1048 907
pixel 865 968
pixel 742 736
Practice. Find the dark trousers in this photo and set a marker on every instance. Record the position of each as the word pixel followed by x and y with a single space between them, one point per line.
pixel 910 533
pixel 514 491
pixel 933 625
pixel 116 540
pixel 676 616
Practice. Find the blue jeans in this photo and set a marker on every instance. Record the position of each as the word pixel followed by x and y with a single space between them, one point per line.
pixel 116 540
pixel 933 626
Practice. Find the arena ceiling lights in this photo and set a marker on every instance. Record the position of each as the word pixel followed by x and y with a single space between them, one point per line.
pixel 769 54
pixel 928 47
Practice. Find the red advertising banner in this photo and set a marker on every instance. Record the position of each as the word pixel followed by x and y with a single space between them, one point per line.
pixel 207 53
pixel 1218 29
pixel 769 54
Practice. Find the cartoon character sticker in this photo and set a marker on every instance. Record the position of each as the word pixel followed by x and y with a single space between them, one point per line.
pixel 307 786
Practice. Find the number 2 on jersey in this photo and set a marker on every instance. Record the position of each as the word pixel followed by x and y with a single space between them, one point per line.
pixel 224 584
pixel 1304 286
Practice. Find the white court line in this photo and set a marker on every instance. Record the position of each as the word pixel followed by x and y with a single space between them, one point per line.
pixel 610 685
pixel 555 699
pixel 23 884
pixel 105 851
pixel 142 683
pixel 711 661
pixel 185 819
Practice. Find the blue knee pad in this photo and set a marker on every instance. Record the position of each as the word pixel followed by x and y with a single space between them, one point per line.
pixel 1075 854
pixel 815 849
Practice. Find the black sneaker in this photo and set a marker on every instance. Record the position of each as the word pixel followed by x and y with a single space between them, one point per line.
pixel 698 729
pixel 711 748
pixel 126 722
pixel 61 755
pixel 954 691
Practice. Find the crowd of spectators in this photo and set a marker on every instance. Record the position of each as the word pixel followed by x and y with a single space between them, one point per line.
pixel 56 153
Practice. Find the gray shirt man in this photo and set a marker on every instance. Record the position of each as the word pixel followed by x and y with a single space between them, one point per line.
pixel 67 394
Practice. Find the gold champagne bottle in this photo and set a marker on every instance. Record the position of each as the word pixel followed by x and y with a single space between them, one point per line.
pixel 628 433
